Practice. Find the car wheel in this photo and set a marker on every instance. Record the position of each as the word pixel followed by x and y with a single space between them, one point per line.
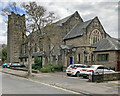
pixel 68 74
pixel 78 74
pixel 5 66
pixel 86 77
pixel 97 73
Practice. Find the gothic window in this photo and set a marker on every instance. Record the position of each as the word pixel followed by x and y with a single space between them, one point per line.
pixel 95 36
pixel 25 59
pixel 91 41
pixel 92 57
pixel 95 39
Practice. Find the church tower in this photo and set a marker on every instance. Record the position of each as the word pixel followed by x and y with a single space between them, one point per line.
pixel 15 37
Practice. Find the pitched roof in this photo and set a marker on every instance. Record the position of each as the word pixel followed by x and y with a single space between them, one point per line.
pixel 66 46
pixel 77 30
pixel 60 22
pixel 107 44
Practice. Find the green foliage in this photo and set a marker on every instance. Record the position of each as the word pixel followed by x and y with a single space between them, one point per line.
pixel 38 63
pixel 4 54
pixel 0 53
pixel 51 68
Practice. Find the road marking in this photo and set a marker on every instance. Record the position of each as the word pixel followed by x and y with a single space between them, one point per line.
pixel 54 86
pixel 50 85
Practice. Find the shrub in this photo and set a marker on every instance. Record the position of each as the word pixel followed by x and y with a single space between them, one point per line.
pixel 51 68
pixel 38 63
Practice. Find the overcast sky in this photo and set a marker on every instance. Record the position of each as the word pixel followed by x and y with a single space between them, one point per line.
pixel 107 12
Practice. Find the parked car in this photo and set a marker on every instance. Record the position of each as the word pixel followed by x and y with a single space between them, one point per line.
pixel 16 65
pixel 96 69
pixel 74 69
pixel 6 65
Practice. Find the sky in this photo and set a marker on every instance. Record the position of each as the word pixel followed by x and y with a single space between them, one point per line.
pixel 106 10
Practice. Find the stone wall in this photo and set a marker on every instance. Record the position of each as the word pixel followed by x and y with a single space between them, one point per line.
pixel 105 77
pixel 112 61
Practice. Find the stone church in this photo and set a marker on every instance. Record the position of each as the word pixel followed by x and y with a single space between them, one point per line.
pixel 70 40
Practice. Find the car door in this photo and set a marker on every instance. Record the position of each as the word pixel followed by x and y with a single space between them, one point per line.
pixel 99 70
pixel 106 70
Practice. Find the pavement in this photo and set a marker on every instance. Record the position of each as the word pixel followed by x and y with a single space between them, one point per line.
pixel 76 84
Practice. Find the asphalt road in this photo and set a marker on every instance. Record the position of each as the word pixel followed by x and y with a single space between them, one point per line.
pixel 17 85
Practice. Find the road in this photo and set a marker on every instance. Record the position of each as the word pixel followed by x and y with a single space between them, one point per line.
pixel 17 85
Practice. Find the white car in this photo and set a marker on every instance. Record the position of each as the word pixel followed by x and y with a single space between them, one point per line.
pixel 95 69
pixel 74 69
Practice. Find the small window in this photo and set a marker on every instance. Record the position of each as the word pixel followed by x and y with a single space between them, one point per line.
pixel 25 59
pixel 78 58
pixel 21 59
pixel 103 57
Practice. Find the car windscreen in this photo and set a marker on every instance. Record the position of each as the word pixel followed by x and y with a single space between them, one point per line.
pixel 81 66
pixel 91 67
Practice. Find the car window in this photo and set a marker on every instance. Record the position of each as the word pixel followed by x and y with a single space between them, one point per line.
pixel 71 66
pixel 81 66
pixel 106 68
pixel 87 66
pixel 91 67
pixel 101 67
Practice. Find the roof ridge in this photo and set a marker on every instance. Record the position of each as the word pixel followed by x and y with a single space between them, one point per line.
pixel 65 19
pixel 112 43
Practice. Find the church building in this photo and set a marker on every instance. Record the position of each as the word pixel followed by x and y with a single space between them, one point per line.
pixel 70 40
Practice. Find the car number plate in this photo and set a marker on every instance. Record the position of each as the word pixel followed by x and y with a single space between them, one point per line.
pixel 83 70
pixel 69 71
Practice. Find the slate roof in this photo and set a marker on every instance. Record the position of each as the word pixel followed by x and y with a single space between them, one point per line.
pixel 66 46
pixel 60 22
pixel 77 30
pixel 107 44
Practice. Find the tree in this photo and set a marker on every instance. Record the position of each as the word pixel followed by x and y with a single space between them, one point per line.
pixel 4 53
pixel 37 19
pixel 12 7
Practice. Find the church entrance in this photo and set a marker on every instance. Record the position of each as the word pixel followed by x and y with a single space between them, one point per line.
pixel 69 59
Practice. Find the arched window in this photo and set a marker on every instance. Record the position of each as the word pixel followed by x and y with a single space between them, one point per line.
pixel 91 41
pixel 95 36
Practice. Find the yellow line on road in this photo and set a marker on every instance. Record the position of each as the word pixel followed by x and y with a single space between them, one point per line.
pixel 54 87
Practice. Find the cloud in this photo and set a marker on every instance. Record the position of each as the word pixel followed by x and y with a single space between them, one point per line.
pixel 106 11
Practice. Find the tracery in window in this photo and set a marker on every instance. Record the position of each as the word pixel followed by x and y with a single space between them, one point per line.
pixel 95 36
